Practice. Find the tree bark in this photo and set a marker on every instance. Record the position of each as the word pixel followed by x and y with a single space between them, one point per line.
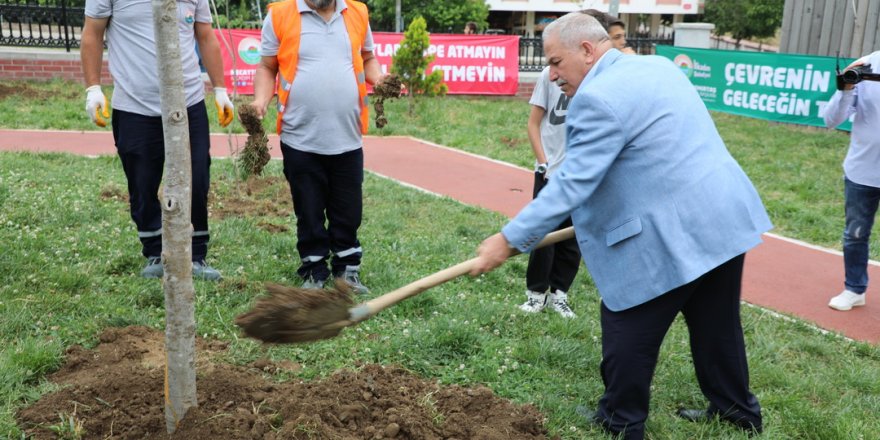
pixel 180 375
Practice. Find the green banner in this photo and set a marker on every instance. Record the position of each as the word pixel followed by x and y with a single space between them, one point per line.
pixel 777 87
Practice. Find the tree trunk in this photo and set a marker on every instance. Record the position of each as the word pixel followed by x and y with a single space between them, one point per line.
pixel 180 375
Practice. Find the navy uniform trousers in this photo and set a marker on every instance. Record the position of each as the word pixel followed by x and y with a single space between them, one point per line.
pixel 631 343
pixel 140 144
pixel 327 193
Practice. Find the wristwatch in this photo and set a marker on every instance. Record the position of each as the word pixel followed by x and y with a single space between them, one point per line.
pixel 541 168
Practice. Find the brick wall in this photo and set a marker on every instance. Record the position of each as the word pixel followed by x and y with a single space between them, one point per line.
pixel 43 65
pixel 524 90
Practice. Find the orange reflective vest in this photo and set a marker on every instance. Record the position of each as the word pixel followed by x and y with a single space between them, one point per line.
pixel 287 24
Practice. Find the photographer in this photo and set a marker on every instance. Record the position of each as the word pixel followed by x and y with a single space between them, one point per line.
pixel 859 95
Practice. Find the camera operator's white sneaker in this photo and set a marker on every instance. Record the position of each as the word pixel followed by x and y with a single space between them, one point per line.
pixel 847 300
pixel 559 302
pixel 535 302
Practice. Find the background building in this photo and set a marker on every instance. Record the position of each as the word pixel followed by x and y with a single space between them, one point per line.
pixel 830 27
pixel 527 18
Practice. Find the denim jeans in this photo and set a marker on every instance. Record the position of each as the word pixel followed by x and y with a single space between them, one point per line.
pixel 861 207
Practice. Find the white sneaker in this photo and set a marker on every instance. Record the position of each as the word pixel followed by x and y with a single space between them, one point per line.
pixel 535 302
pixel 559 302
pixel 847 300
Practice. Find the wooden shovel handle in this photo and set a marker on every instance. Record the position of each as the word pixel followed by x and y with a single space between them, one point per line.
pixel 376 305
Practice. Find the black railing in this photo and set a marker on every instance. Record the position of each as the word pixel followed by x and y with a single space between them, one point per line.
pixel 647 45
pixel 531 55
pixel 40 23
pixel 531 50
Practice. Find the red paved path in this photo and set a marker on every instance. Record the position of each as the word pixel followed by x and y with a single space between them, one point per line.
pixel 786 276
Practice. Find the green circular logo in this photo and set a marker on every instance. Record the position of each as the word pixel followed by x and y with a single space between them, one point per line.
pixel 685 64
pixel 249 50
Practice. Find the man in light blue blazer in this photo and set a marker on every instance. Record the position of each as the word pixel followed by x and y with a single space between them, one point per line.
pixel 663 216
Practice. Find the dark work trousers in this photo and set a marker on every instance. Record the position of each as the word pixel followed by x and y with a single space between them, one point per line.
pixel 141 147
pixel 631 342
pixel 552 266
pixel 328 203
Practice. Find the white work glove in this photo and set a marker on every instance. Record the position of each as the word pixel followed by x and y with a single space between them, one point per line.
pixel 225 109
pixel 97 105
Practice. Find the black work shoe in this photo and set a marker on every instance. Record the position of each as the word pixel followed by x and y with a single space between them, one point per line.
pixel 351 276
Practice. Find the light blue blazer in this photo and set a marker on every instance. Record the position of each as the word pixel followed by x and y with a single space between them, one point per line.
pixel 655 197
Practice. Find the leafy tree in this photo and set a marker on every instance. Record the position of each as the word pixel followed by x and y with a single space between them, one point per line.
pixel 441 16
pixel 410 63
pixel 744 19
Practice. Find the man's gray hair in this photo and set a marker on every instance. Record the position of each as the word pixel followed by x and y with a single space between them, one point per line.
pixel 574 27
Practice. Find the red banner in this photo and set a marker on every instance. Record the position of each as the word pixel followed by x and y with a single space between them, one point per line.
pixel 471 64
pixel 240 49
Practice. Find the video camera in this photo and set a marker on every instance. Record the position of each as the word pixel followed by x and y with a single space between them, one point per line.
pixel 855 75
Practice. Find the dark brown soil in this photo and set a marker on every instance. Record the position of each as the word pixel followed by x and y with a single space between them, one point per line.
pixel 390 88
pixel 115 392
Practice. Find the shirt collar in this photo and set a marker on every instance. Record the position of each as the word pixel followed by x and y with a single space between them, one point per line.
pixel 304 7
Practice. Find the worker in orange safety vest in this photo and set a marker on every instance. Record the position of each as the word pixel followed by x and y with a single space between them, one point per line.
pixel 322 53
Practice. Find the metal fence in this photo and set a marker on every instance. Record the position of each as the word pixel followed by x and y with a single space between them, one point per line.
pixel 42 23
pixel 58 24
pixel 531 50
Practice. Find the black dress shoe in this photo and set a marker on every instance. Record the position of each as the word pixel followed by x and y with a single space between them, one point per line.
pixel 590 415
pixel 701 415
pixel 693 415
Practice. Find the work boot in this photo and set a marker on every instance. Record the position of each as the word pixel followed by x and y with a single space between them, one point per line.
pixel 352 277
pixel 535 302
pixel 311 283
pixel 202 271
pixel 154 268
pixel 559 302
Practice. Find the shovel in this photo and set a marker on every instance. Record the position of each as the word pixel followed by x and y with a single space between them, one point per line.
pixel 301 315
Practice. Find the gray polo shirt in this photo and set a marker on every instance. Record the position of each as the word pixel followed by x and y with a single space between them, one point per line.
pixel 132 51
pixel 323 111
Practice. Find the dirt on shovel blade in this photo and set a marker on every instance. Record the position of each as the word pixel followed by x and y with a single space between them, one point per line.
pixel 290 314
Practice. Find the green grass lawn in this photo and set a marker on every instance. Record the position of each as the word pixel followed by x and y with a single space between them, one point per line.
pixel 70 258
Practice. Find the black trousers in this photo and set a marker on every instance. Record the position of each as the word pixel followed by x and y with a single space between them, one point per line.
pixel 553 266
pixel 631 342
pixel 140 144
pixel 327 193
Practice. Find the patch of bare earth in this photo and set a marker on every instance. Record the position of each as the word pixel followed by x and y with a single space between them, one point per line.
pixel 255 197
pixel 23 89
pixel 116 392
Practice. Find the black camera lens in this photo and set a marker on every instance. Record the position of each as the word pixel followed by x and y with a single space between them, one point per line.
pixel 854 75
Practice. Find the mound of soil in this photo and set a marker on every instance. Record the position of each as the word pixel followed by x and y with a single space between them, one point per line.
pixel 116 392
